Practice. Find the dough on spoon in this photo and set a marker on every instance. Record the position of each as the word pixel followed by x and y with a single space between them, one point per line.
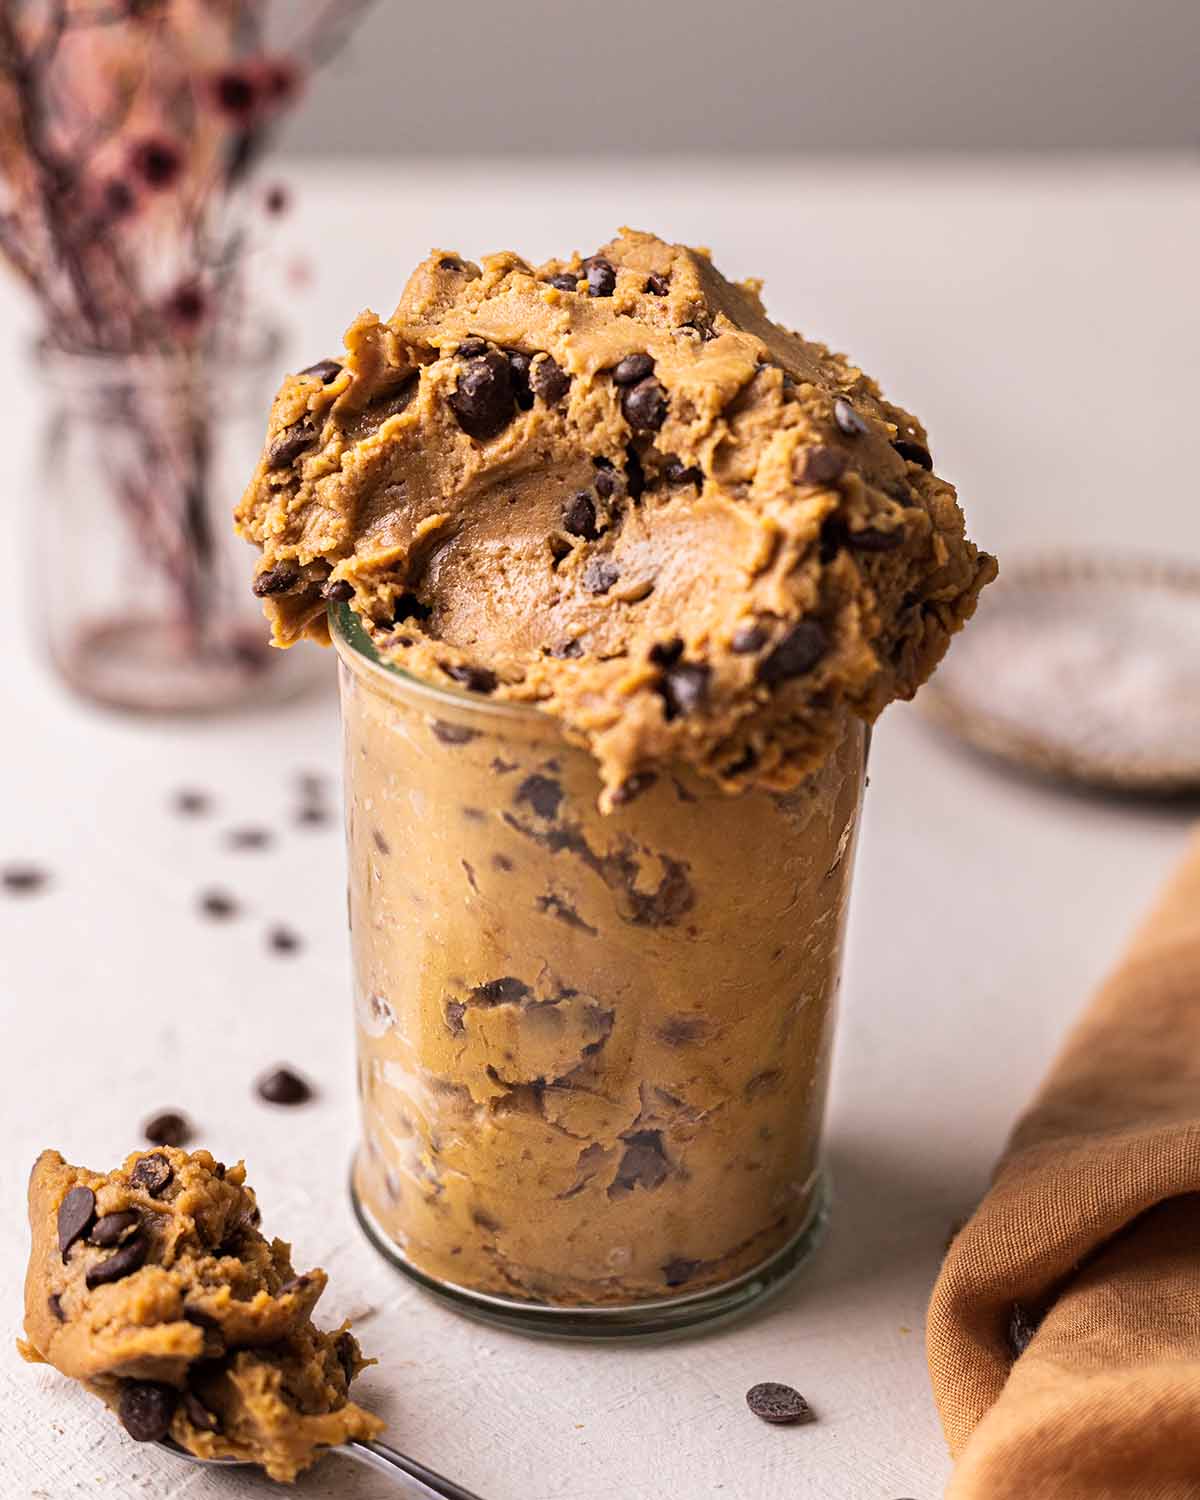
pixel 153 1286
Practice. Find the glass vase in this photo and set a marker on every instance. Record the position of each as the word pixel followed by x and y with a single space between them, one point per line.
pixel 144 589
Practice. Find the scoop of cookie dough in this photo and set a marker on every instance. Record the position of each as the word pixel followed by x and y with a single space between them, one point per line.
pixel 153 1285
pixel 614 488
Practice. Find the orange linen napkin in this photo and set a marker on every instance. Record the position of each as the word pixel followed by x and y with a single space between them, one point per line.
pixel 1086 1254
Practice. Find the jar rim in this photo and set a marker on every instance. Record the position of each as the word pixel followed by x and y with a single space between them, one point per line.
pixel 351 641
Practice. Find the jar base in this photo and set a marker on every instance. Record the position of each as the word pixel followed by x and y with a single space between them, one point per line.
pixel 665 1316
pixel 148 665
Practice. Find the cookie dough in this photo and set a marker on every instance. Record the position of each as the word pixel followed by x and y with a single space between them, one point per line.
pixel 153 1285
pixel 614 488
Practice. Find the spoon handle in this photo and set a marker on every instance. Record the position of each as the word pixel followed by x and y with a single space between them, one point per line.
pixel 422 1481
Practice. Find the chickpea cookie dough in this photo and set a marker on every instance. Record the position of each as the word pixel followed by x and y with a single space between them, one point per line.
pixel 614 488
pixel 153 1285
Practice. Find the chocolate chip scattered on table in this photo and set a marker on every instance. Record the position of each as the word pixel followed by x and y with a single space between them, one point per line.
pixel 780 1404
pixel 283 1086
pixel 23 879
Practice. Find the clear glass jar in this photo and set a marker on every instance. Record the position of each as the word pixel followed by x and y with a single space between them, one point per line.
pixel 143 589
pixel 593 1049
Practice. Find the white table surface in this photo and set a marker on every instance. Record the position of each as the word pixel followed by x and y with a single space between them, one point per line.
pixel 1044 322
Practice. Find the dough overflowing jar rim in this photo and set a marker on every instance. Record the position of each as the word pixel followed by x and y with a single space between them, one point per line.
pixel 355 646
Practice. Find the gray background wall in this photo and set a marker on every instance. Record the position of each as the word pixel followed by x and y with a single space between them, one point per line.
pixel 583 76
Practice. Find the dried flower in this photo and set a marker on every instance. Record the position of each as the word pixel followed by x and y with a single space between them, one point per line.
pixel 118 198
pixel 235 92
pixel 279 80
pixel 186 307
pixel 157 161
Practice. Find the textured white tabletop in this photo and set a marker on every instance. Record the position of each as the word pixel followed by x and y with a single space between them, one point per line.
pixel 1041 321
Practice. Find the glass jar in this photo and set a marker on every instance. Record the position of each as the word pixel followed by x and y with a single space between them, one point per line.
pixel 593 1049
pixel 143 588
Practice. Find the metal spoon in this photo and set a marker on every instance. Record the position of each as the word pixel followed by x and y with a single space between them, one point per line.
pixel 416 1478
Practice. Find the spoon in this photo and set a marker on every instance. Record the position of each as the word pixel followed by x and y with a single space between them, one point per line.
pixel 416 1478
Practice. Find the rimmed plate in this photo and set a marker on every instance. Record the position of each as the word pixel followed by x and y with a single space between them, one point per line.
pixel 1084 669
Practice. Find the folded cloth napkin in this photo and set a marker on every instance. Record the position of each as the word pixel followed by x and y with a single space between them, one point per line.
pixel 1064 1330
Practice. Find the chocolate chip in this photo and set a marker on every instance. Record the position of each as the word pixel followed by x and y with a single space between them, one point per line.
pixel 282 1086
pixel 823 465
pixel 218 906
pixel 683 688
pixel 797 653
pixel 915 453
pixel 632 368
pixel 324 370
pixel 108 1230
pixel 644 405
pixel 774 1402
pixel 506 991
pixel 409 607
pixel 678 1272
pixel 549 381
pixel 518 368
pixel 601 277
pixel 75 1215
pixel 474 679
pixel 450 263
pixel 599 576
pixel 482 401
pixel 170 1128
pixel 54 1303
pixel 146 1408
pixel 472 349
pixel 151 1173
pixel 847 419
pixel 635 475
pixel 666 653
pixel 338 590
pixel 633 786
pixel 296 1284
pixel 198 1414
pixel 455 1012
pixel 290 444
pixel 644 1163
pixel 191 803
pixel 283 940
pixel 675 471
pixel 248 838
pixel 542 793
pixel 121 1263
pixel 276 580
pixel 606 483
pixel 23 880
pixel 747 639
pixel 579 516
pixel 449 734
pixel 871 540
pixel 345 1349
pixel 1021 1329
pixel 656 286
pixel 565 281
